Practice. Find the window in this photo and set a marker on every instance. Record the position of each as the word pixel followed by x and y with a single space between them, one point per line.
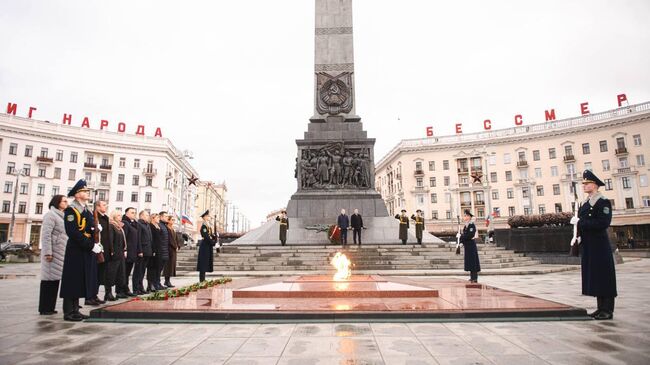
pixel 493 177
pixel 447 214
pixel 511 211
pixel 103 177
pixel 540 190
pixel 39 208
pixel 622 162
pixel 445 164
pixel 525 193
pixel 418 181
pixel 527 211
pixel 432 182
pixel 538 172
pixel 495 194
pixel 492 160
pixel 554 171
pixel 28 151
pixel 418 165
pixel 22 208
pixel 522 156
pixel 510 193
pixel 147 197
pixel 122 161
pixel 44 152
pixel 608 184
pixel 119 196
pixel 588 166
pixel 6 206
pixel 603 146
pixel 447 197
pixel 136 163
pixel 535 155
pixel 27 169
pixel 629 203
pixel 626 182
pixel 643 181
pixel 120 179
pixel 134 197
pixel 446 181
pixel 508 175
pixel 71 174
pixel 558 207
pixel 611 201
pixel 432 165
pixel 585 149
pixel 637 139
pixel 104 161
pixel 523 174
pixel 568 150
pixel 13 149
pixel 551 153
pixel 605 165
pixel 40 189
pixel 55 190
pixel 506 158
pixel 11 167
pixel 420 199
pixel 24 188
pixel 59 155
pixel 542 209
pixel 57 172
pixel 73 157
pixel 9 187
pixel 101 194
pixel 640 160
pixel 136 180
pixel 646 201
pixel 90 159
pixel 148 181
pixel 620 142
pixel 434 214
pixel 41 172
pixel 556 189
pixel 88 176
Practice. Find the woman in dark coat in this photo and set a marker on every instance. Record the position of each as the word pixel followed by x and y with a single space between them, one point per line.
pixel 472 263
pixel 153 268
pixel 205 260
pixel 116 253
pixel 170 268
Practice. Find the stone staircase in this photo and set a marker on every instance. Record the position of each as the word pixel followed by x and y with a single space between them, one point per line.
pixel 366 257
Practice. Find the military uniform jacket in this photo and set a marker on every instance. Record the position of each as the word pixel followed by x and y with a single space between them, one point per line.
pixel 284 227
pixel 206 259
pixel 403 226
pixel 419 226
pixel 471 251
pixel 79 227
pixel 598 273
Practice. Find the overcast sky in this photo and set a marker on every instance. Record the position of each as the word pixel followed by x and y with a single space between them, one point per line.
pixel 232 80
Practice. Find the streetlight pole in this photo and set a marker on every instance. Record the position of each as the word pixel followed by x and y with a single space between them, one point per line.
pixel 234 210
pixel 12 224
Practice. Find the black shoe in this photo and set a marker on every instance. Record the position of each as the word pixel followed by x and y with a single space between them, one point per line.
pixel 48 313
pixel 130 294
pixel 109 297
pixel 594 313
pixel 603 316
pixel 121 296
pixel 99 300
pixel 169 285
pixel 74 317
pixel 92 302
pixel 83 315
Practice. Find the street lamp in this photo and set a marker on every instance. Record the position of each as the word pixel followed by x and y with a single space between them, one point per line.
pixel 12 224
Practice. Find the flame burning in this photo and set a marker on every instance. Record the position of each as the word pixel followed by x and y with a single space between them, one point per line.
pixel 342 265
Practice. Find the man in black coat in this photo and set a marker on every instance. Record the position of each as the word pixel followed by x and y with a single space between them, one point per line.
pixel 598 271
pixel 106 239
pixel 164 249
pixel 79 227
pixel 356 221
pixel 133 249
pixel 144 233
pixel 343 221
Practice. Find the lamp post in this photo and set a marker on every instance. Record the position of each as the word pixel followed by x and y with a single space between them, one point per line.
pixel 12 224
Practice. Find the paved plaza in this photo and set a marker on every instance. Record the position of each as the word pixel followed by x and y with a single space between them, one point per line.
pixel 27 338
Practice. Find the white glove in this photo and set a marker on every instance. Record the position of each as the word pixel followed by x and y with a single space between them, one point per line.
pixel 99 227
pixel 457 235
pixel 574 220
pixel 97 248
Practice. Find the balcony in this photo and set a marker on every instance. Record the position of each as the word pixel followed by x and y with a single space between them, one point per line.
pixel 418 172
pixel 479 202
pixel 465 203
pixel 477 168
pixel 90 165
pixel 149 172
pixel 522 163
pixel 420 189
pixel 569 158
pixel 106 167
pixel 621 151
pixel 44 160
pixel 625 171
pixel 463 170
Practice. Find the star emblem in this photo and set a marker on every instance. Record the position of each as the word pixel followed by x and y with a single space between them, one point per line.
pixel 476 177
pixel 192 180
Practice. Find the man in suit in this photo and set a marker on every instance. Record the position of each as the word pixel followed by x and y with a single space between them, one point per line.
pixel 356 221
pixel 343 221
pixel 133 251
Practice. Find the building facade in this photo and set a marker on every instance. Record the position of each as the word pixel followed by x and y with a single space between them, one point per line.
pixel 213 197
pixel 147 173
pixel 528 169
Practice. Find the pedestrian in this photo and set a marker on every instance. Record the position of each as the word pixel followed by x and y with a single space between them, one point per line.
pixel 284 226
pixel 419 225
pixel 205 260
pixel 79 227
pixel 144 233
pixel 133 249
pixel 116 258
pixel 163 258
pixel 597 261
pixel 174 245
pixel 153 270
pixel 468 239
pixel 106 239
pixel 630 242
pixel 356 221
pixel 53 241
pixel 343 221
pixel 403 226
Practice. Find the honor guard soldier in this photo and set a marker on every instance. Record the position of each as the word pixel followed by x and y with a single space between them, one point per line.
pixel 206 259
pixel 403 226
pixel 79 226
pixel 472 263
pixel 284 226
pixel 598 273
pixel 419 225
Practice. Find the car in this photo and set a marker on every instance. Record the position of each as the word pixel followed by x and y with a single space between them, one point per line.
pixel 13 248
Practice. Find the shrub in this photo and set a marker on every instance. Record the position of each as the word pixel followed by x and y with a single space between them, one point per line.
pixel 543 220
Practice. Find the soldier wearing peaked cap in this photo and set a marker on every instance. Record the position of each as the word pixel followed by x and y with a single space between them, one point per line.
pixel 403 226
pixel 467 238
pixel 284 227
pixel 419 225
pixel 206 258
pixel 598 272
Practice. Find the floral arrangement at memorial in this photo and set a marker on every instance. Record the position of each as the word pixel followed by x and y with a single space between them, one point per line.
pixel 186 290
pixel 540 220
pixel 334 234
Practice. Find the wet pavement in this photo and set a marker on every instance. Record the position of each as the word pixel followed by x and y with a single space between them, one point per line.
pixel 27 338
